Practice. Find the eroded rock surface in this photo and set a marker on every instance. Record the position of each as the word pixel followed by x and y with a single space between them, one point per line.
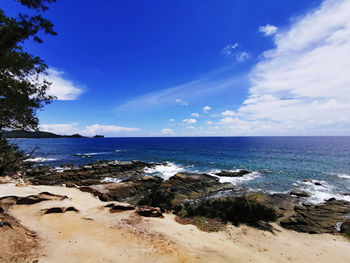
pixel 320 218
pixel 154 191
pixel 87 174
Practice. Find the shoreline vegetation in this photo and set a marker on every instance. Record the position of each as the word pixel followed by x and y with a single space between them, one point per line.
pixel 108 210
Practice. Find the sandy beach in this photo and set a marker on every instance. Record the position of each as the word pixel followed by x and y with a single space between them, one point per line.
pixel 95 235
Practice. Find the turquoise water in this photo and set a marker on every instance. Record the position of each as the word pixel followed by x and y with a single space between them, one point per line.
pixel 278 163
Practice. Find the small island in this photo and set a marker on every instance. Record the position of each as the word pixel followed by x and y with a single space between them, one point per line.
pixel 98 136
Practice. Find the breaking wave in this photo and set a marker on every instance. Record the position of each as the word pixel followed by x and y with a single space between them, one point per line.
pixel 40 160
pixel 165 170
pixel 235 180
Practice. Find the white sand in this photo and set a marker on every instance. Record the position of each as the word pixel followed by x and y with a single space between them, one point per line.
pixel 96 235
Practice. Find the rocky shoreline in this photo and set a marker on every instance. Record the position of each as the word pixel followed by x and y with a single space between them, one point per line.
pixel 184 190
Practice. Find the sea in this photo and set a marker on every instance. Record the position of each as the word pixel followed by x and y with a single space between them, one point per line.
pixel 277 164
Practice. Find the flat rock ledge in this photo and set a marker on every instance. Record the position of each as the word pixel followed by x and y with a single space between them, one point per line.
pixel 89 174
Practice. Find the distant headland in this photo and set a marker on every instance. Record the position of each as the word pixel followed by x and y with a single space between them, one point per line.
pixel 39 134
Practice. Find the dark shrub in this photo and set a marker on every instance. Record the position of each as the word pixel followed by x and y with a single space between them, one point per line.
pixel 235 210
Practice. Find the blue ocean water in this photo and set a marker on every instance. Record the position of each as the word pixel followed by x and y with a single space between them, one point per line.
pixel 278 164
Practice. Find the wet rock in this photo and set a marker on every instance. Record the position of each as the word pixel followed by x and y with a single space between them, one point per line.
pixel 299 193
pixel 233 174
pixel 320 218
pixel 345 226
pixel 150 212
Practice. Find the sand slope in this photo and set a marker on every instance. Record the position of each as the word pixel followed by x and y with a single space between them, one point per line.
pixel 96 235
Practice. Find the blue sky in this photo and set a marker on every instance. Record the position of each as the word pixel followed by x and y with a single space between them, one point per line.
pixel 197 68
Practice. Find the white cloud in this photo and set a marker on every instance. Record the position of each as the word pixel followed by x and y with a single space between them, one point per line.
pixel 268 30
pixel 228 113
pixel 168 132
pixel 191 127
pixel 91 130
pixel 62 129
pixel 195 114
pixel 209 122
pixel 229 49
pixel 62 88
pixel 181 102
pixel 206 109
pixel 242 56
pixel 303 85
pixel 171 120
pixel 189 121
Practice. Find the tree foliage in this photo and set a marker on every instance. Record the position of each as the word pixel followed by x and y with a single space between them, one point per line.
pixel 23 88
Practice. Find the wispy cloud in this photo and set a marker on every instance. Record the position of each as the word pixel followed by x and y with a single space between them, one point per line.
pixel 211 84
pixel 61 87
pixel 229 49
pixel 181 102
pixel 90 130
pixel 268 30
pixel 242 56
pixel 303 84
pixel 195 115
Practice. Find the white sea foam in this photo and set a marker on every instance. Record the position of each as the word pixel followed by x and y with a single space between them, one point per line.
pixel 342 176
pixel 59 169
pixel 119 151
pixel 235 180
pixel 320 193
pixel 89 154
pixel 165 170
pixel 110 180
pixel 40 160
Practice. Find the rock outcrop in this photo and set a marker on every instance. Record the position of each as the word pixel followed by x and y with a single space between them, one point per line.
pixel 320 218
pixel 239 173
pixel 154 191
pixel 299 193
pixel 151 195
pixel 131 190
pixel 87 174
